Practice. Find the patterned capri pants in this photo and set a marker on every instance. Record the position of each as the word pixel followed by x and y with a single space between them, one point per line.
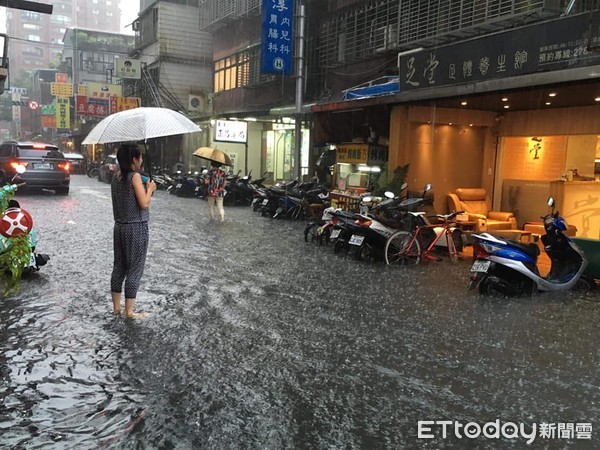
pixel 130 247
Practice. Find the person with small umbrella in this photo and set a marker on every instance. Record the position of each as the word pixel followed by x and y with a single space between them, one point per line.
pixel 216 180
pixel 131 199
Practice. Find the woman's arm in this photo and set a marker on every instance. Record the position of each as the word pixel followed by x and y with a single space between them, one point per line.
pixel 143 195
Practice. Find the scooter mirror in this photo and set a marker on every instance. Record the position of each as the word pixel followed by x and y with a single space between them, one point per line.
pixel 403 186
pixel 367 199
pixel 428 187
pixel 551 202
pixel 390 194
pixel 20 168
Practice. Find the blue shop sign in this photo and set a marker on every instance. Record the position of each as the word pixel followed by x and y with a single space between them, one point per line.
pixel 277 37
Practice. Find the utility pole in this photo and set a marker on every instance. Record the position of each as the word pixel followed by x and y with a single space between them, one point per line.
pixel 300 40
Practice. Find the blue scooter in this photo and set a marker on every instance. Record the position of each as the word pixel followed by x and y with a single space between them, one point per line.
pixel 510 268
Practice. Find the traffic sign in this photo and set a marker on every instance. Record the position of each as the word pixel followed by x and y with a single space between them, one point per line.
pixel 33 105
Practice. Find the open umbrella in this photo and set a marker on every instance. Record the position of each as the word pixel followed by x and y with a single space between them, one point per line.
pixel 140 124
pixel 213 154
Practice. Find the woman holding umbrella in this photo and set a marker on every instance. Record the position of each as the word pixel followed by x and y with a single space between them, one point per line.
pixel 217 182
pixel 130 200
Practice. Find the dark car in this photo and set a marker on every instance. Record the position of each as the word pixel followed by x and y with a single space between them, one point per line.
pixel 77 161
pixel 47 167
pixel 108 168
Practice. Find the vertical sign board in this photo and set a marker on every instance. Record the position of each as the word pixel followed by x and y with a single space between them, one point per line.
pixel 63 116
pixel 277 37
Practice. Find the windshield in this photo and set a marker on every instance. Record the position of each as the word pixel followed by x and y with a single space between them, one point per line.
pixel 40 153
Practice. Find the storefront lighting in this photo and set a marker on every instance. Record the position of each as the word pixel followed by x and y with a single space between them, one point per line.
pixel 470 124
pixel 506 106
pixel 597 99
pixel 250 119
pixel 548 103
pixel 504 99
pixel 233 118
pixel 552 94
pixel 463 103
pixel 363 168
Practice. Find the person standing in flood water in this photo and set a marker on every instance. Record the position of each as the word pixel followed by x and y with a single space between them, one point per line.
pixel 217 182
pixel 130 201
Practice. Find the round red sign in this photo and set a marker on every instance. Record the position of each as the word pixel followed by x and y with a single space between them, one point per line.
pixel 33 104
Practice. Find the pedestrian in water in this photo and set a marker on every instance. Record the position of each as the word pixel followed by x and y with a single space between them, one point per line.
pixel 130 200
pixel 217 182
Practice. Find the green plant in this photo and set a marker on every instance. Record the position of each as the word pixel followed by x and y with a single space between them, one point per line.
pixel 383 183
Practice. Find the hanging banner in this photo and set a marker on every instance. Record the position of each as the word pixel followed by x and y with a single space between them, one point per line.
pixel 277 37
pixel 63 116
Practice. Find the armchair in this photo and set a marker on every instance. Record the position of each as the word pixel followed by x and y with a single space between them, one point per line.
pixel 476 203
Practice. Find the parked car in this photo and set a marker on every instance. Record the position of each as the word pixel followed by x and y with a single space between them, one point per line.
pixel 47 167
pixel 77 161
pixel 108 168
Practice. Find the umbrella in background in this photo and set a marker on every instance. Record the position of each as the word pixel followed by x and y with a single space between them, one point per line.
pixel 213 154
pixel 140 124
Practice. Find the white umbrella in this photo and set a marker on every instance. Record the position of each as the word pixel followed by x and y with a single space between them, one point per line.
pixel 139 124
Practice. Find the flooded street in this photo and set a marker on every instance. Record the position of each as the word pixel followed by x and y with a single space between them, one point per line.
pixel 256 339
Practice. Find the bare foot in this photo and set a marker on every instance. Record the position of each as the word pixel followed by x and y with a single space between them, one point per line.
pixel 136 315
pixel 117 312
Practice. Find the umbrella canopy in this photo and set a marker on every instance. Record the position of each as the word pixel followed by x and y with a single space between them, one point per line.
pixel 139 124
pixel 213 154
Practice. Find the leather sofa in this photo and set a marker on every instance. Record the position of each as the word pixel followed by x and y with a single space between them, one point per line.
pixel 477 205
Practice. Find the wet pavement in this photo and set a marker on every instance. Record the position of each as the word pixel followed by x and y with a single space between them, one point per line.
pixel 256 339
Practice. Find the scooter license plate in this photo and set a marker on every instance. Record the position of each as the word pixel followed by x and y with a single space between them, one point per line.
pixel 265 201
pixel 335 234
pixel 31 260
pixel 178 186
pixel 356 239
pixel 481 266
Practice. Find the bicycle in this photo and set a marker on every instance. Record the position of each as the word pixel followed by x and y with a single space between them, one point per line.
pixel 405 247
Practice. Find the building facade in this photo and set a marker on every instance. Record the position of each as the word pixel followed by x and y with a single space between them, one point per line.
pixel 176 60
pixel 37 39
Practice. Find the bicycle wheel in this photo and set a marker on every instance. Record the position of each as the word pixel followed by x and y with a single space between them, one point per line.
pixel 312 232
pixel 402 248
pixel 452 250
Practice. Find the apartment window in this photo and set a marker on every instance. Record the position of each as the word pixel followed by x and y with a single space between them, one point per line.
pixel 34 38
pixel 59 18
pixel 31 26
pixel 240 69
pixel 34 17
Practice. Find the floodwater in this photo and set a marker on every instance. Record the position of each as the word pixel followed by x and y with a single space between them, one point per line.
pixel 256 339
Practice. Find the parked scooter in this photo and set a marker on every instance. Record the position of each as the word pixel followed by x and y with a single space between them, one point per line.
pixel 510 268
pixel 17 236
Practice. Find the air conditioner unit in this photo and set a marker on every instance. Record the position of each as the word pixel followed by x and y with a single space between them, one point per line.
pixel 196 102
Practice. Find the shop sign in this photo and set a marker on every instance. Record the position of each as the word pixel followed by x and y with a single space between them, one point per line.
pixel 103 90
pixel 553 45
pixel 82 89
pixel 61 89
pixel 352 153
pixel 128 68
pixel 49 110
pixel 92 107
pixel 63 115
pixel 49 121
pixel 378 155
pixel 61 77
pixel 231 131
pixel 277 36
pixel 124 103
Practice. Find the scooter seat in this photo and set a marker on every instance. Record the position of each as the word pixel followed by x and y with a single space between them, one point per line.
pixel 530 249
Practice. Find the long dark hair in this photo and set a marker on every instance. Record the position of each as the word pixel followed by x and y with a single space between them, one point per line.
pixel 125 156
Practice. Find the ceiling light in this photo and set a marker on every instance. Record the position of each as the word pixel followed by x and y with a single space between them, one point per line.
pixel 548 103
pixel 552 94
pixel 597 99
pixel 250 119
pixel 463 103
pixel 504 99
pixel 470 124
pixel 506 106
pixel 449 123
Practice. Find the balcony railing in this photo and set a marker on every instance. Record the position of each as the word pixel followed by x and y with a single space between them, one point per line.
pixel 216 13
